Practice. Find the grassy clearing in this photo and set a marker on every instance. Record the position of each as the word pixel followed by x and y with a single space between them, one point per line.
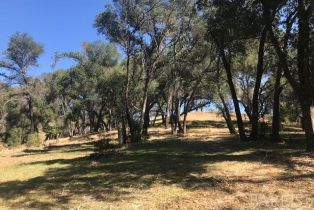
pixel 206 169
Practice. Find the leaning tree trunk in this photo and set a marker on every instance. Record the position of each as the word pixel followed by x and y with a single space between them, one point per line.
pixel 276 107
pixel 227 66
pixel 226 115
pixel 155 118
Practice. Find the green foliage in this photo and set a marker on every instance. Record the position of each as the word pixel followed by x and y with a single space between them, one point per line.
pixel 22 53
pixel 33 140
pixel 16 137
pixel 4 137
pixel 53 133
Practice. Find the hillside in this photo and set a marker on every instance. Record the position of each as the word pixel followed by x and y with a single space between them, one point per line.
pixel 207 169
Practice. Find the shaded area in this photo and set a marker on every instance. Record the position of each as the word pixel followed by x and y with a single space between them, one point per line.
pixel 114 176
pixel 76 147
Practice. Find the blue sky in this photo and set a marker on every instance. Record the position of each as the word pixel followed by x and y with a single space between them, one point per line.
pixel 60 25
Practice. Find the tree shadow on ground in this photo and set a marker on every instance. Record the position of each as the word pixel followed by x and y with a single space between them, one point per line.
pixel 207 123
pixel 76 147
pixel 115 176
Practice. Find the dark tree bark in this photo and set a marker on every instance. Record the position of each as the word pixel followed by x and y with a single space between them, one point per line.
pixel 308 122
pixel 163 119
pixel 258 80
pixel 100 116
pixel 276 107
pixel 146 119
pixel 155 118
pixel 31 115
pixel 167 114
pixel 122 135
pixel 226 115
pixel 145 107
pixel 227 67
pixel 175 117
pixel 304 71
pixel 303 87
pixel 130 122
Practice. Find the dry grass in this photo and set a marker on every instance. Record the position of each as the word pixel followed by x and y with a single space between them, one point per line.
pixel 206 169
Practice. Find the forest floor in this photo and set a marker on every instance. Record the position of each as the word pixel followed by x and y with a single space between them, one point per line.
pixel 206 169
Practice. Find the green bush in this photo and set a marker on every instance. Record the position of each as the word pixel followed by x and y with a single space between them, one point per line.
pixel 33 140
pixel 15 137
pixel 4 137
pixel 53 133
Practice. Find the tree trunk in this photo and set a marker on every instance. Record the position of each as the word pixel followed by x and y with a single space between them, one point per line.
pixel 155 118
pixel 163 119
pixel 312 116
pixel 177 116
pixel 126 98
pixel 145 109
pixel 92 123
pixel 31 115
pixel 303 87
pixel 276 108
pixel 167 114
pixel 110 120
pixel 99 121
pixel 305 75
pixel 308 125
pixel 226 115
pixel 122 135
pixel 227 66
pixel 184 123
pixel 259 75
pixel 146 121
pixel 71 126
pixel 173 117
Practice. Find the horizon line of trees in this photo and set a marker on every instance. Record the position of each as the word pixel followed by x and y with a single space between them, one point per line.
pixel 179 56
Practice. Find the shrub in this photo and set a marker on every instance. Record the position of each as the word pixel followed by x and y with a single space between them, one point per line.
pixel 53 133
pixel 15 137
pixel 4 137
pixel 33 140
